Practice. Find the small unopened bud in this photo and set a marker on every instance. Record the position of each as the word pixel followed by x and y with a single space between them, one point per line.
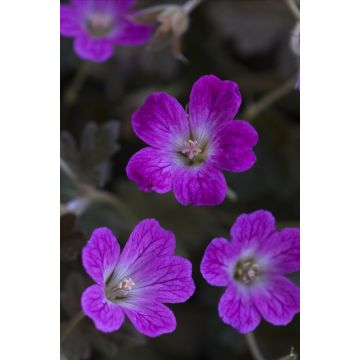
pixel 173 21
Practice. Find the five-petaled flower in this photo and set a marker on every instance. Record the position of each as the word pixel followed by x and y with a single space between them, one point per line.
pixel 188 152
pixel 252 266
pixel 137 281
pixel 99 25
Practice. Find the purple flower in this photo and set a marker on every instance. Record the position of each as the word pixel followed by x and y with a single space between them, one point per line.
pixel 188 152
pixel 252 267
pixel 136 282
pixel 99 25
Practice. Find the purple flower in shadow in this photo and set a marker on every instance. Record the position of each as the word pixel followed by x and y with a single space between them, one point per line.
pixel 188 152
pixel 99 25
pixel 252 267
pixel 137 281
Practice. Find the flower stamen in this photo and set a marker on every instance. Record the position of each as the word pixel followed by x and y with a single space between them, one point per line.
pixel 126 284
pixel 191 149
pixel 247 271
pixel 120 290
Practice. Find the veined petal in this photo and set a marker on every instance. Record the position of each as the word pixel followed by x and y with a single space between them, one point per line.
pixel 236 308
pixel 69 25
pixel 164 279
pixel 107 316
pixel 151 169
pixel 212 102
pixel 147 241
pixel 89 48
pixel 123 5
pixel 249 230
pixel 214 265
pixel 132 33
pixel 283 250
pixel 101 254
pixel 233 142
pixel 278 300
pixel 201 185
pixel 161 122
pixel 151 318
pixel 120 7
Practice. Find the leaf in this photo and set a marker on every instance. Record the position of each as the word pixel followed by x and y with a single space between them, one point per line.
pixel 89 162
pixel 171 215
pixel 71 240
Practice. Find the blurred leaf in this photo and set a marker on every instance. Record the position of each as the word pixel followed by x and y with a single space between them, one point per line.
pixel 254 26
pixel 171 215
pixel 71 240
pixel 85 340
pixel 90 161
pixel 74 286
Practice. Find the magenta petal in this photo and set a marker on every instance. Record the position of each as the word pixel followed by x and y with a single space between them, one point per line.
pixel 151 170
pixel 97 50
pixel 233 144
pixel 166 280
pixel 69 25
pixel 161 122
pixel 214 265
pixel 107 316
pixel 203 185
pixel 132 33
pixel 278 300
pixel 123 5
pixel 250 229
pixel 147 241
pixel 238 310
pixel 212 102
pixel 101 254
pixel 151 318
pixel 283 248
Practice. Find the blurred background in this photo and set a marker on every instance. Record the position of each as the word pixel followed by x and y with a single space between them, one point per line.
pixel 252 42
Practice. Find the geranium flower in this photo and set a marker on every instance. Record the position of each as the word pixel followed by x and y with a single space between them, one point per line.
pixel 99 25
pixel 137 281
pixel 188 152
pixel 252 267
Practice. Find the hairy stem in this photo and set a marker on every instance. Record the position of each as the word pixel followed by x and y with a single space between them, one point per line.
pixel 70 325
pixel 253 346
pixel 270 98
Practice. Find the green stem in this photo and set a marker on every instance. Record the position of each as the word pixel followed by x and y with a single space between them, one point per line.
pixel 273 96
pixel 72 91
pixel 293 8
pixel 70 325
pixel 116 203
pixel 253 346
